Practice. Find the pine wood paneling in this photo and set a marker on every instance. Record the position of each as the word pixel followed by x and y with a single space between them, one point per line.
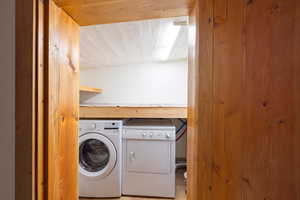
pixel 271 117
pixel 93 12
pixel 249 115
pixel 63 105
pixel 229 105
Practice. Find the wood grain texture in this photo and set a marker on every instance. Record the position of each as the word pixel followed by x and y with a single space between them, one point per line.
pixel 272 81
pixel 25 100
pixel 200 119
pixel 193 113
pixel 93 12
pixel 40 103
pixel 132 112
pixel 63 105
pixel 249 101
pixel 229 101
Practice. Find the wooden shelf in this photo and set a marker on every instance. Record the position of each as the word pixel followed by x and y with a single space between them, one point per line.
pixel 132 112
pixel 89 89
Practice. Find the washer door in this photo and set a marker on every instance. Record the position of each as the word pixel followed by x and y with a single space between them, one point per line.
pixel 97 155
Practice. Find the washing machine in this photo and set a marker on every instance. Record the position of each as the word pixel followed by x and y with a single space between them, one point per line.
pixel 100 158
pixel 149 158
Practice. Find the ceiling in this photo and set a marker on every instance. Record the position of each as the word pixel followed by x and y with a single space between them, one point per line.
pixel 92 12
pixel 128 43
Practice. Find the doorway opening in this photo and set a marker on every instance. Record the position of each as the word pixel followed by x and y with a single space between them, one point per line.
pixel 130 73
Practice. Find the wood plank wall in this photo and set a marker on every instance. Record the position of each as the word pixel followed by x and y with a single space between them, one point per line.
pixel 249 100
pixel 62 104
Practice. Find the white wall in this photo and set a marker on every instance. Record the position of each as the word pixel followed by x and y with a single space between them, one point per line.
pixel 140 84
pixel 7 86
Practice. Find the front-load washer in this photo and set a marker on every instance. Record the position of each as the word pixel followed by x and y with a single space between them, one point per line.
pixel 149 158
pixel 100 158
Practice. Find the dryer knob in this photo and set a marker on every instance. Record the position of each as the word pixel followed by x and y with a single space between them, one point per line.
pixel 144 134
pixel 168 135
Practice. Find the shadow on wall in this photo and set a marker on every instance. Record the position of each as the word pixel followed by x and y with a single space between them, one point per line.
pixel 85 96
pixel 180 143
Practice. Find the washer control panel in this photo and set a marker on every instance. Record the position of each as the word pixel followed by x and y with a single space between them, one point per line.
pixel 100 126
pixel 88 126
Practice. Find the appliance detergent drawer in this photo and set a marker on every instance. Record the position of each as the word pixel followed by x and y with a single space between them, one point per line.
pixel 148 156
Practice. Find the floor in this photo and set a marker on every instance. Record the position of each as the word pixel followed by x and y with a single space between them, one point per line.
pixel 180 191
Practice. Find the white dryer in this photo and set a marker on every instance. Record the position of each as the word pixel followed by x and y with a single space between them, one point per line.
pixel 100 158
pixel 149 158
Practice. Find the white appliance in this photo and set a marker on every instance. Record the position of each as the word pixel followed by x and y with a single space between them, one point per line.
pixel 100 158
pixel 149 158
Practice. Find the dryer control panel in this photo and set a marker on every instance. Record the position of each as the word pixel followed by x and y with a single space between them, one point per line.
pixel 155 134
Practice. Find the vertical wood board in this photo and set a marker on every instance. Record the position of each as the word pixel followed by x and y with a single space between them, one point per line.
pixel 200 101
pixel 63 105
pixel 40 105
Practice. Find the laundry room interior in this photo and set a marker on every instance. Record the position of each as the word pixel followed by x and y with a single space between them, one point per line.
pixel 151 99
pixel 133 109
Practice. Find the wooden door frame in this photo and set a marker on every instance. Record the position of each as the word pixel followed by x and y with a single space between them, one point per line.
pixel 25 103
pixel 29 102
pixel 31 145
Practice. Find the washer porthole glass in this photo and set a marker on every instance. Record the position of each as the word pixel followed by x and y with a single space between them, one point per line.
pixel 93 155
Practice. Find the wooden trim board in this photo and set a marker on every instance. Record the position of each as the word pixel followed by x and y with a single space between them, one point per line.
pixel 41 158
pixel 200 97
pixel 132 112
